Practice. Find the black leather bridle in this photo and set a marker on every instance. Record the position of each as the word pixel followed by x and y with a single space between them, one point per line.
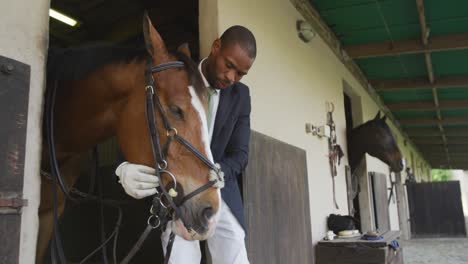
pixel 162 211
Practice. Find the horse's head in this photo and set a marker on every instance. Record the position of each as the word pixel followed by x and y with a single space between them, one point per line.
pixel 182 95
pixel 377 140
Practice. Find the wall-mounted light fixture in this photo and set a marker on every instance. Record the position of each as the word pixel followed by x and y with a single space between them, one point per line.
pixel 305 30
pixel 62 18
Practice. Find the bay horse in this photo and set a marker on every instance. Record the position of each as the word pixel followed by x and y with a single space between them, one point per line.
pixel 375 138
pixel 101 92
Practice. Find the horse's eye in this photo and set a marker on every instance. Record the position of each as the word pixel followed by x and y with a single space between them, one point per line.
pixel 176 111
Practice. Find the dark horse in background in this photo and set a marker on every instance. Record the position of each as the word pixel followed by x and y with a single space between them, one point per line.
pixel 375 138
pixel 101 94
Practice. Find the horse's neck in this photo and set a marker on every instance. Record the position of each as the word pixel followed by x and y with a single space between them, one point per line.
pixel 87 111
pixel 357 147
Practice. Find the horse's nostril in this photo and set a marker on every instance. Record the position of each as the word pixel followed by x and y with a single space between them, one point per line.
pixel 207 212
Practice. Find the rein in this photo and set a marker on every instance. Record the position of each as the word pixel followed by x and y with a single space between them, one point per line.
pixel 161 213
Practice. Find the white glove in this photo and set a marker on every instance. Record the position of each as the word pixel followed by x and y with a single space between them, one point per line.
pixel 138 181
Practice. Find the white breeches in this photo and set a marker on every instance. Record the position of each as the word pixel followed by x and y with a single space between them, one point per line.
pixel 227 245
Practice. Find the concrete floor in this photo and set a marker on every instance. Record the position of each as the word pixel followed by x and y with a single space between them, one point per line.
pixel 436 251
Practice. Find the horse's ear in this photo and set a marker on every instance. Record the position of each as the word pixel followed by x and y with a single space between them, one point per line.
pixel 184 49
pixel 153 41
pixel 377 116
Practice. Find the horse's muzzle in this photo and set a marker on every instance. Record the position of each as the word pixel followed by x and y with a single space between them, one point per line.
pixel 199 222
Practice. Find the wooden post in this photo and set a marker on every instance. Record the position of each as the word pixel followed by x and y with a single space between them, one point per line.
pixel 402 204
pixel 365 198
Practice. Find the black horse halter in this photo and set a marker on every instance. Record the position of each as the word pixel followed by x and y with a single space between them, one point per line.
pixel 161 212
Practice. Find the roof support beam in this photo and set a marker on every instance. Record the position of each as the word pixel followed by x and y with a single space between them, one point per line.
pixel 435 156
pixel 408 46
pixel 418 83
pixel 430 71
pixel 429 105
pixel 451 120
pixel 431 149
pixel 456 160
pixel 438 141
pixel 434 132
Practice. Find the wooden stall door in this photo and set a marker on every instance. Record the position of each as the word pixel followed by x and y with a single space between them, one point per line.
pixel 276 201
pixel 436 209
pixel 14 99
pixel 380 201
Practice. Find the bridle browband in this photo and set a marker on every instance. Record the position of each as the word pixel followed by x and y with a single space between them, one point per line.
pixel 160 212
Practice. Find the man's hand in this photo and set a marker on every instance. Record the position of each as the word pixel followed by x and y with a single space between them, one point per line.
pixel 138 181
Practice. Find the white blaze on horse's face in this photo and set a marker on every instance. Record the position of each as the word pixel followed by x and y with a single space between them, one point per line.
pixel 177 226
pixel 197 104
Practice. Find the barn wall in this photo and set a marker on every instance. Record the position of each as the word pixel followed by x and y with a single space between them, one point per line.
pixel 462 177
pixel 290 82
pixel 24 37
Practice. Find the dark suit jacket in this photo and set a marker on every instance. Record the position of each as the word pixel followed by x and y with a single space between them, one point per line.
pixel 230 142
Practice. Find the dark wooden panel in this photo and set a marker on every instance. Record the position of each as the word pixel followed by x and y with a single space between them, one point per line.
pixel 14 97
pixel 358 251
pixel 350 255
pixel 379 194
pixel 436 209
pixel 276 199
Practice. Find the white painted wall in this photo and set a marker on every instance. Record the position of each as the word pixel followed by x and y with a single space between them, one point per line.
pixel 462 177
pixel 465 193
pixel 24 37
pixel 290 82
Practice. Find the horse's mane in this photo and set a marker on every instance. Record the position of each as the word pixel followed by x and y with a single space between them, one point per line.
pixel 77 62
pixel 368 123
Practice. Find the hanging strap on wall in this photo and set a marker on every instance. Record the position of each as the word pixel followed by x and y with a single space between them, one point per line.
pixel 335 153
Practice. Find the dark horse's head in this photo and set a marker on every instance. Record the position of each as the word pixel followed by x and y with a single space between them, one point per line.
pixel 183 100
pixel 375 138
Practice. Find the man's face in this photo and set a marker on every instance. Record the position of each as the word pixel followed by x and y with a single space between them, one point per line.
pixel 228 65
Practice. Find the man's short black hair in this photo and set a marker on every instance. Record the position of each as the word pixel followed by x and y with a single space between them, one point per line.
pixel 243 37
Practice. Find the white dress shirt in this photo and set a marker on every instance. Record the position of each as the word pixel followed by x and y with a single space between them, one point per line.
pixel 213 103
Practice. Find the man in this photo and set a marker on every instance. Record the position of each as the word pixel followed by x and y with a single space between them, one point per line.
pixel 228 118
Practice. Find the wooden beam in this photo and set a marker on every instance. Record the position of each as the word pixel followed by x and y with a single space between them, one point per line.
pixel 412 132
pixel 452 156
pixel 430 149
pixel 418 83
pixel 435 132
pixel 437 141
pixel 412 105
pixel 408 46
pixel 424 38
pixel 451 161
pixel 457 165
pixel 451 120
pixel 428 105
